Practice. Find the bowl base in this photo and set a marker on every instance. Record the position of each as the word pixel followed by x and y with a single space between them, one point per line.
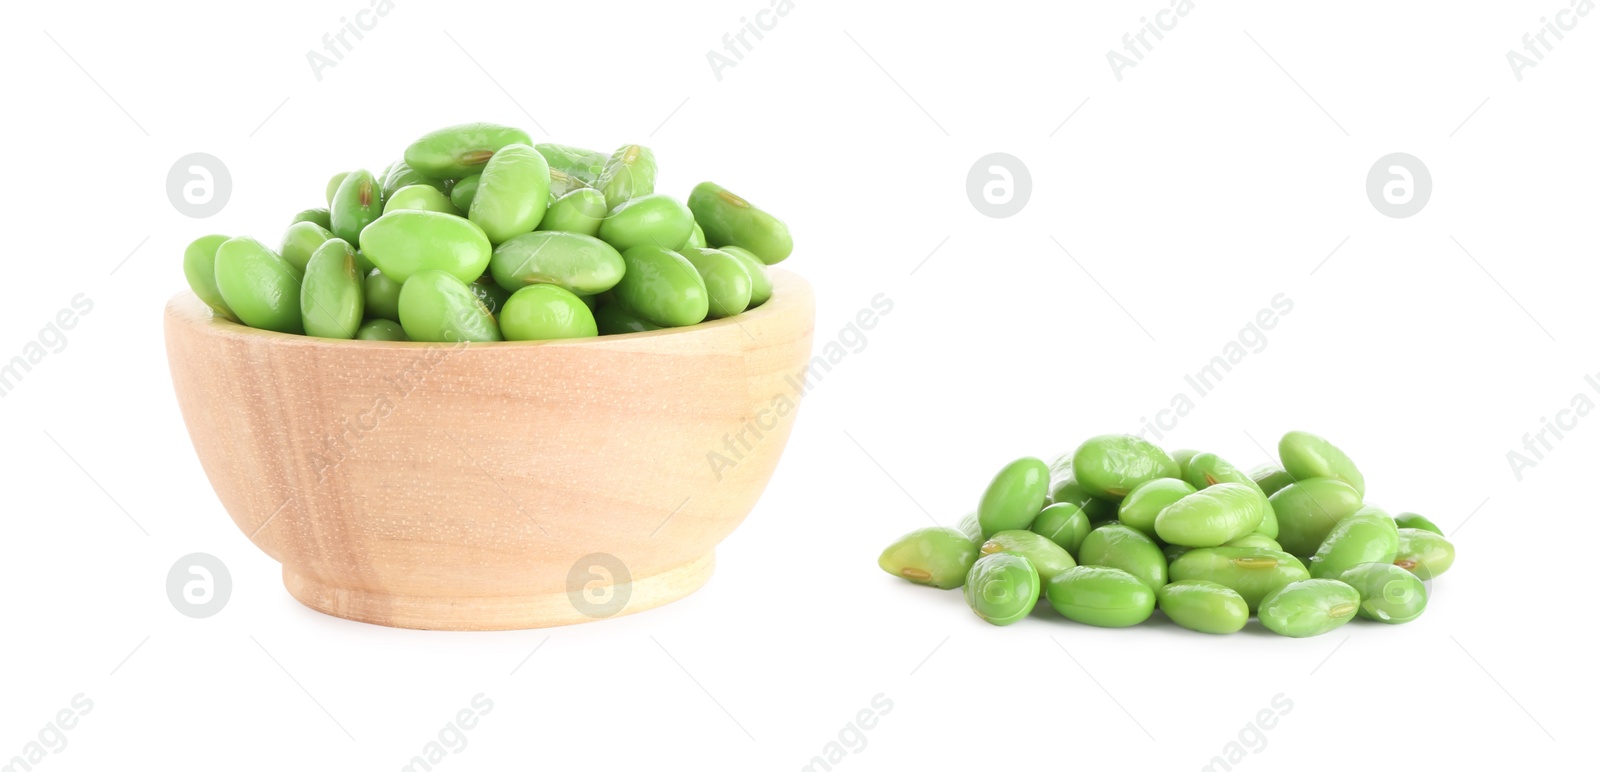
pixel 496 612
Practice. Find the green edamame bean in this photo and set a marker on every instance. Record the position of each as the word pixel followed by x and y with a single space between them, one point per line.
pixel 1208 469
pixel 1047 557
pixel 1213 515
pixel 356 204
pixel 513 193
pixel 458 151
pixel 1271 478
pixel 586 166
pixel 629 173
pixel 382 296
pixel 408 241
pixel 1139 508
pixel 728 219
pixel 1068 490
pixel 728 284
pixel 760 282
pixel 1014 497
pixel 1110 465
pixel 1203 606
pixel 318 215
pixel 580 211
pixel 656 219
pixel 968 526
pixel 562 183
pixel 1063 523
pixel 1002 588
pixel 613 319
pixel 1118 546
pixel 1307 510
pixel 437 307
pixel 1249 571
pixel 697 237
pixel 582 265
pixel 1309 607
pixel 300 240
pixel 1100 596
pixel 381 329
pixel 331 300
pixel 464 191
pixel 662 287
pixel 261 288
pixel 546 312
pixel 491 295
pixel 1414 520
pixel 333 187
pixel 1181 457
pixel 936 557
pixel 401 175
pixel 1305 455
pixel 1173 552
pixel 1255 539
pixel 200 270
pixel 1366 536
pixel 1389 593
pixel 1423 553
pixel 424 197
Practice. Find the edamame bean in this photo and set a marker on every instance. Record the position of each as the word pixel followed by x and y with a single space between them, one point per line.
pixel 491 295
pixel 1255 539
pixel 261 288
pixel 1271 478
pixel 662 287
pixel 300 240
pixel 1208 469
pixel 1249 571
pixel 1100 596
pixel 1309 607
pixel 656 219
pixel 1203 606
pixel 356 204
pixel 401 175
pixel 382 296
pixel 936 557
pixel 580 211
pixel 318 215
pixel 1308 510
pixel 333 187
pixel 513 193
pixel 1139 508
pixel 408 241
pixel 546 312
pixel 1002 588
pixel 968 526
pixel 424 197
pixel 1063 523
pixel 1389 593
pixel 381 329
pixel 1423 553
pixel 331 300
pixel 613 319
pixel 629 173
pixel 437 307
pixel 1173 552
pixel 464 191
pixel 727 282
pixel 1366 536
pixel 1068 490
pixel 1212 516
pixel 458 151
pixel 728 219
pixel 1046 556
pixel 584 165
pixel 562 183
pixel 760 282
pixel 697 238
pixel 1414 520
pixel 1182 457
pixel 200 269
pixel 1014 497
pixel 1119 546
pixel 1110 465
pixel 582 265
pixel 1305 455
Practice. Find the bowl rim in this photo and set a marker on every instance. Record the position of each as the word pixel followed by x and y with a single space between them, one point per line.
pixel 789 291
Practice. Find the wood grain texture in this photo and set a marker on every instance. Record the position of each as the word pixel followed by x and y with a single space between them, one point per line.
pixel 492 486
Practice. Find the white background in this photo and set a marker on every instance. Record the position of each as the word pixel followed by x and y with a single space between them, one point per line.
pixel 1220 171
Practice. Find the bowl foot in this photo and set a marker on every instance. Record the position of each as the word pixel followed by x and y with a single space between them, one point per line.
pixel 499 612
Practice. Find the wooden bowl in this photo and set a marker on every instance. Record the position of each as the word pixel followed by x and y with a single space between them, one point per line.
pixel 492 486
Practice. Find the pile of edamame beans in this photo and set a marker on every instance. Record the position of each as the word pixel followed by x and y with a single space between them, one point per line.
pixel 1118 528
pixel 478 234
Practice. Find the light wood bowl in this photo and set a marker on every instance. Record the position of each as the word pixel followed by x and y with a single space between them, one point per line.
pixel 492 486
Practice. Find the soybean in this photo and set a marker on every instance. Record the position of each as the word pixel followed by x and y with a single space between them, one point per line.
pixel 261 288
pixel 1389 593
pixel 1119 546
pixel 1110 465
pixel 1100 596
pixel 1309 509
pixel 662 287
pixel 582 265
pixel 1047 557
pixel 546 312
pixel 1002 588
pixel 1366 536
pixel 1213 516
pixel 1309 607
pixel 937 557
pixel 331 299
pixel 1203 606
pixel 728 219
pixel 1014 497
pixel 1424 553
pixel 437 307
